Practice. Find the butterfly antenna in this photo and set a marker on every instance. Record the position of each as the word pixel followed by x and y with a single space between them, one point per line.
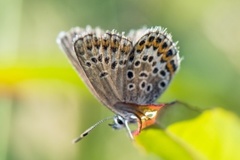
pixel 85 133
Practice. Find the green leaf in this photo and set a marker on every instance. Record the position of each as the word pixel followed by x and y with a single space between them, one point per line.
pixel 158 142
pixel 215 135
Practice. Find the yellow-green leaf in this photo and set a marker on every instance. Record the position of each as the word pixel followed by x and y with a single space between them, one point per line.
pixel 214 135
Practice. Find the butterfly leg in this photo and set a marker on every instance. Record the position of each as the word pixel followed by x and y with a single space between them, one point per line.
pixel 128 129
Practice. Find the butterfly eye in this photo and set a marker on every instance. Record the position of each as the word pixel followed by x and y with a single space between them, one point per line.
pixel 119 121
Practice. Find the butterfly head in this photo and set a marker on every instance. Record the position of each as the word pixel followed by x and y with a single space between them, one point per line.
pixel 142 115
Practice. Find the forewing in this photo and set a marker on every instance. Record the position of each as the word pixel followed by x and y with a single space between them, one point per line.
pixel 66 42
pixel 100 59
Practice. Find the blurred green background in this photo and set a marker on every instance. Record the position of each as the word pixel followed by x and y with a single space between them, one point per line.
pixel 44 104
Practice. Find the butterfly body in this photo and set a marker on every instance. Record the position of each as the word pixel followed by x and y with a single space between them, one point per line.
pixel 126 73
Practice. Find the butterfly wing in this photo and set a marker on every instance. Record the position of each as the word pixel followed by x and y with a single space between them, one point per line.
pixel 152 63
pixel 65 40
pixel 99 58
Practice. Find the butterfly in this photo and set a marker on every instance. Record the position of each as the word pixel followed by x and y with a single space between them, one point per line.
pixel 126 73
